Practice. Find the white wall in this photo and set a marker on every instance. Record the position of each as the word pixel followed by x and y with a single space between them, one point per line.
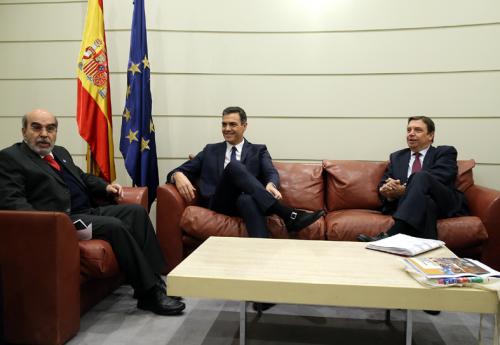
pixel 319 79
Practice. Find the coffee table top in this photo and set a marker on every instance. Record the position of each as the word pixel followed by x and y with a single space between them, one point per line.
pixel 336 273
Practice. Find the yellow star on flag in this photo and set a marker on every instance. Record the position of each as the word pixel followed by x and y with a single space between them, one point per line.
pixel 126 114
pixel 129 90
pixel 145 62
pixel 134 67
pixel 144 144
pixel 151 126
pixel 132 136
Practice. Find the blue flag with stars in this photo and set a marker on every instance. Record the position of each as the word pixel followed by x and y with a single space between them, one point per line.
pixel 137 141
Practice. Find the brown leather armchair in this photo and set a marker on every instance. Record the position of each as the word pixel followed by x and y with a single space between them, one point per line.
pixel 48 278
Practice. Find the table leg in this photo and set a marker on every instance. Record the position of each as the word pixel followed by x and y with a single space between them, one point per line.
pixel 409 326
pixel 387 316
pixel 480 334
pixel 243 321
pixel 496 326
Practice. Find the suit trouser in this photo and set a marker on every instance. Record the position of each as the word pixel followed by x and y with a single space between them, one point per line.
pixel 130 233
pixel 424 202
pixel 242 194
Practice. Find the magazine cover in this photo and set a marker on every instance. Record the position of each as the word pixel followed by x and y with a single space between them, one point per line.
pixel 450 267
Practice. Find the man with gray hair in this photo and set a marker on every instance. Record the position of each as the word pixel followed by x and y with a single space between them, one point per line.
pixel 38 175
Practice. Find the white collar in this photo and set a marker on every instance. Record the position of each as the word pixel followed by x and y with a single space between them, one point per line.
pixel 239 146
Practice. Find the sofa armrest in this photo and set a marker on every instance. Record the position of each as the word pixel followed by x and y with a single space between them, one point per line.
pixel 40 277
pixel 135 195
pixel 485 203
pixel 169 208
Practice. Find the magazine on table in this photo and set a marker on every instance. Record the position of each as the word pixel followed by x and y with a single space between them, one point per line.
pixel 404 245
pixel 433 268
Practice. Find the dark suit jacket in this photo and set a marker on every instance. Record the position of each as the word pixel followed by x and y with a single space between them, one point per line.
pixel 208 165
pixel 27 182
pixel 440 162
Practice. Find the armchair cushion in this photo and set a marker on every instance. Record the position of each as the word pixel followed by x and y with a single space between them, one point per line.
pixel 97 260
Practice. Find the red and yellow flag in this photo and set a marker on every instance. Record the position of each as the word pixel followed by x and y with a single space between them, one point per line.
pixel 93 112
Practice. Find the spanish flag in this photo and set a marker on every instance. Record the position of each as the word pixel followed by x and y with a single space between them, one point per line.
pixel 93 112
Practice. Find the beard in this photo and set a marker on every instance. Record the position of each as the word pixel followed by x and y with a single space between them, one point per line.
pixel 42 151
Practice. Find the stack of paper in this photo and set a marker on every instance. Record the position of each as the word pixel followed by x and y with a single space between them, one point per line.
pixel 405 245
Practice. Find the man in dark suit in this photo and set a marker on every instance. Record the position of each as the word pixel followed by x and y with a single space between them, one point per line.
pixel 418 187
pixel 37 175
pixel 237 177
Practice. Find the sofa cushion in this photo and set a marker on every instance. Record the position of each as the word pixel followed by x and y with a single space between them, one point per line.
pixel 302 185
pixel 353 184
pixel 97 260
pixel 459 233
pixel 465 178
pixel 462 232
pixel 277 229
pixel 201 223
pixel 346 225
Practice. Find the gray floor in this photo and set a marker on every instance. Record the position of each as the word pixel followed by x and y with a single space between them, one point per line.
pixel 205 322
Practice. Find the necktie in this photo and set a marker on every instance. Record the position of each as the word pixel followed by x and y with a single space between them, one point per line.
pixel 233 154
pixel 52 162
pixel 417 166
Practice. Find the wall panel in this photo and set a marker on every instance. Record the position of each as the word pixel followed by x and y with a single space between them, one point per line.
pixel 450 95
pixel 455 49
pixel 340 75
pixel 305 15
pixel 431 50
pixel 443 95
pixel 69 17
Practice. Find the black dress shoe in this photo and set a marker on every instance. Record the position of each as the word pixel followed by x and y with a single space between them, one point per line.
pixel 432 312
pixel 260 306
pixel 366 238
pixel 162 285
pixel 300 219
pixel 159 303
pixel 160 282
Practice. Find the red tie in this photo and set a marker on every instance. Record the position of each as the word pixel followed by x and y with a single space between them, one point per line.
pixel 417 166
pixel 52 162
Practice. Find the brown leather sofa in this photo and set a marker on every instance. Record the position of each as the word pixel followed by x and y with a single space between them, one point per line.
pixel 347 190
pixel 48 278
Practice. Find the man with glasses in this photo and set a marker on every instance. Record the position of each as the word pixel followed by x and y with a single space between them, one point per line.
pixel 37 175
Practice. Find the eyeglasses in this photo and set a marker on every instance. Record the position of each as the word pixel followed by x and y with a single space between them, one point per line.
pixel 36 127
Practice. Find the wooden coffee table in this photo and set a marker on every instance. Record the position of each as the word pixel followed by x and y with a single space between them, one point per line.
pixel 316 272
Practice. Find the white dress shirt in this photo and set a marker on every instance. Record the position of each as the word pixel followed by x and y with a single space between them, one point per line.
pixel 229 147
pixel 412 159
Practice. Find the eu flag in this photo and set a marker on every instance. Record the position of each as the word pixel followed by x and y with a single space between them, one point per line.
pixel 137 141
